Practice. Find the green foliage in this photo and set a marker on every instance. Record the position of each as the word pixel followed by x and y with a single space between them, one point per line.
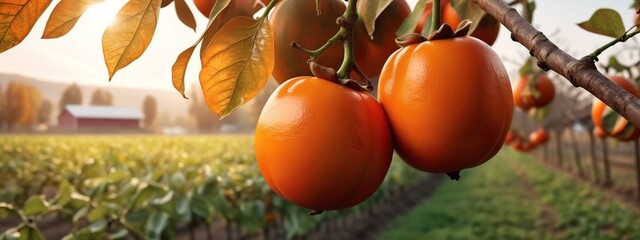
pixel 605 22
pixel 148 187
pixel 514 197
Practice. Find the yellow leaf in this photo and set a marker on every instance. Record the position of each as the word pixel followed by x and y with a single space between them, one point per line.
pixel 184 14
pixel 130 34
pixel 180 68
pixel 220 15
pixel 237 64
pixel 64 16
pixel 17 18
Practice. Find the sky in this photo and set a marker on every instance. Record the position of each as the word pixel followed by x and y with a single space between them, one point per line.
pixel 77 57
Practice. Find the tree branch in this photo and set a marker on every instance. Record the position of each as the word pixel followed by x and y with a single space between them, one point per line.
pixel 581 73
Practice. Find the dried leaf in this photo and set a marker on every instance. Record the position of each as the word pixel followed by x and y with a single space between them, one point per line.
pixel 64 16
pixel 469 10
pixel 185 15
pixel 179 69
pixel 128 37
pixel 605 22
pixel 369 10
pixel 219 16
pixel 17 18
pixel 237 64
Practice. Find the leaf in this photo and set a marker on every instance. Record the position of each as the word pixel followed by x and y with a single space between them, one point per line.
pixel 199 207
pixel 17 19
pixel 80 214
pixel 469 10
pixel 6 210
pixel 412 20
pixel 369 10
pixel 96 213
pixel 35 204
pixel 609 119
pixel 65 16
pixel 156 224
pixel 98 226
pixel 605 22
pixel 121 234
pixel 237 64
pixel 220 15
pixel 179 68
pixel 30 233
pixel 185 15
pixel 178 180
pixel 130 34
pixel 63 196
pixel 615 64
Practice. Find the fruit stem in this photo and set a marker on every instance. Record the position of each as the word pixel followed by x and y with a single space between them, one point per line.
pixel 435 14
pixel 454 175
pixel 626 36
pixel 346 22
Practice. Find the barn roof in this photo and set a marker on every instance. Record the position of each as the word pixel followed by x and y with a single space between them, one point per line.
pixel 103 112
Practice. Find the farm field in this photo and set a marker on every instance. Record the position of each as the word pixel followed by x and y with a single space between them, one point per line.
pixel 516 197
pixel 209 187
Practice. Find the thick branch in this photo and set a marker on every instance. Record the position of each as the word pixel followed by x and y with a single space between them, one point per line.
pixel 581 73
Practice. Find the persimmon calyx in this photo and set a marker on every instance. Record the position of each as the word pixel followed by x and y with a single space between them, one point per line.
pixel 444 32
pixel 330 74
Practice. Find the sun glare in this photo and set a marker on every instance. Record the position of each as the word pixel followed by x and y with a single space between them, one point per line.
pixel 103 14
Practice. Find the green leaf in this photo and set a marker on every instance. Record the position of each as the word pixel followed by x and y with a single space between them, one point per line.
pixel 80 214
pixel 6 210
pixel 96 213
pixel 156 224
pixel 78 200
pixel 410 23
pixel 182 208
pixel 237 64
pixel 178 180
pixel 63 196
pixel 613 63
pixel 29 233
pixel 35 205
pixel 369 10
pixel 200 208
pixel 121 234
pixel 605 22
pixel 98 226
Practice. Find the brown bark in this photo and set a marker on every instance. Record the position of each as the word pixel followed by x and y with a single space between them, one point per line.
pixel 581 73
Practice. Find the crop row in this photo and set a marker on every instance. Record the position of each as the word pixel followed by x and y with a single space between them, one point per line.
pixel 145 187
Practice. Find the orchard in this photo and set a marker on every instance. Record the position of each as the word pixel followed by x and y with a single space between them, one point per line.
pixel 387 119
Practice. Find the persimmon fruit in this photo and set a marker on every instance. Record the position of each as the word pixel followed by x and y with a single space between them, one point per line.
pixel 539 136
pixel 237 7
pixel 322 145
pixel 528 95
pixel 617 127
pixel 292 20
pixel 370 54
pixel 449 103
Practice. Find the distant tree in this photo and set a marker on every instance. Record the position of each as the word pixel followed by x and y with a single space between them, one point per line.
pixel 71 95
pixel 150 109
pixel 206 121
pixel 101 97
pixel 24 106
pixel 3 110
pixel 46 109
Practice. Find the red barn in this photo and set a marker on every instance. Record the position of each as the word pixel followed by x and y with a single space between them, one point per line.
pixel 99 117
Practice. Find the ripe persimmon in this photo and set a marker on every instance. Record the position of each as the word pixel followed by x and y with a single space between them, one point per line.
pixel 292 21
pixel 449 103
pixel 237 7
pixel 370 54
pixel 527 95
pixel 322 145
pixel 615 125
pixel 487 30
pixel 448 15
pixel 539 136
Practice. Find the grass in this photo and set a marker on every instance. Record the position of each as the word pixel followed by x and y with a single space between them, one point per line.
pixel 514 197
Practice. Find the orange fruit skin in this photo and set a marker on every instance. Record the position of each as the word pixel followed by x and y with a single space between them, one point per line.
pixel 449 103
pixel 448 15
pixel 370 54
pixel 238 7
pixel 322 145
pixel 297 20
pixel 540 136
pixel 598 108
pixel 487 30
pixel 526 101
